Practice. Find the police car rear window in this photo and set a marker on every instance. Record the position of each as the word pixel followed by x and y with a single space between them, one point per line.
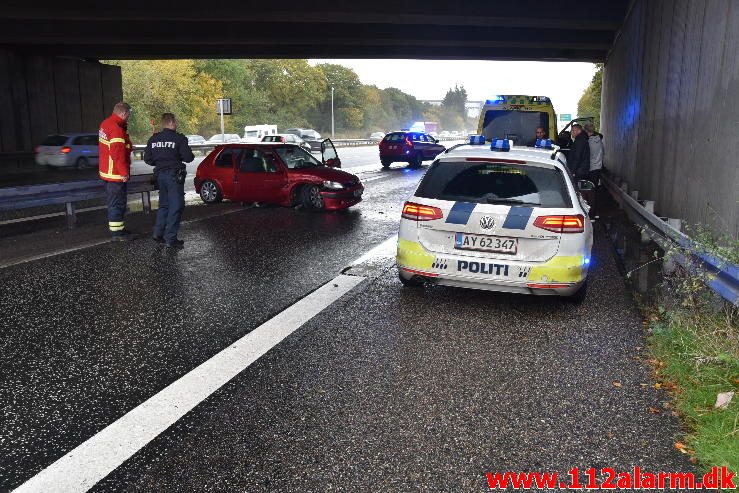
pixel 495 183
pixel 394 137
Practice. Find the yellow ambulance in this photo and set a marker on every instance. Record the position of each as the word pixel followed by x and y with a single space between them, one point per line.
pixel 516 118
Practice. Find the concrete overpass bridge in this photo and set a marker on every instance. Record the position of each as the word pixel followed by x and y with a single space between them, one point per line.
pixel 669 111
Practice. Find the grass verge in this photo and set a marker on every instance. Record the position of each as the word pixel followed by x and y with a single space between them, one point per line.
pixel 695 351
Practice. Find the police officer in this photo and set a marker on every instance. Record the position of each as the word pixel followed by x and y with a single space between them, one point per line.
pixel 166 151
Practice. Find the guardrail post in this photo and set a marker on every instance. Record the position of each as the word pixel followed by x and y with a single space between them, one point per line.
pixel 649 206
pixel 624 187
pixel 675 223
pixel 146 201
pixel 69 212
pixel 634 194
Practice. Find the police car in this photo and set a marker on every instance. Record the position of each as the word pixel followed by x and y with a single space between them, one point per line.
pixel 491 216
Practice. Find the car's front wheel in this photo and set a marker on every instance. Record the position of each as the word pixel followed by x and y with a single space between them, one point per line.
pixel 417 161
pixel 310 197
pixel 210 192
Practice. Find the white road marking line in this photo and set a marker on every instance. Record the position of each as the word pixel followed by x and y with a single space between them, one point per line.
pixel 385 249
pixel 80 469
pixel 367 180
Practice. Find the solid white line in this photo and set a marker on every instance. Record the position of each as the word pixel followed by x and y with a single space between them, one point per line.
pixel 385 249
pixel 80 469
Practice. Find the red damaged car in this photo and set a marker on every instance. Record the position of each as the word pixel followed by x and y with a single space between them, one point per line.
pixel 277 173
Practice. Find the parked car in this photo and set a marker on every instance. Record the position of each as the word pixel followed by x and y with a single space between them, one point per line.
pixel 409 147
pixel 195 139
pixel 277 173
pixel 287 139
pixel 445 134
pixel 309 135
pixel 497 218
pixel 255 133
pixel 65 150
pixel 378 136
pixel 434 134
pixel 224 139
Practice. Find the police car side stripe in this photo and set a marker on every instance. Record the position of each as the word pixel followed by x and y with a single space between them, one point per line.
pixel 460 213
pixel 518 217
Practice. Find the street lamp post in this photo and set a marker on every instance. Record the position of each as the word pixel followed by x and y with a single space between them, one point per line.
pixel 332 112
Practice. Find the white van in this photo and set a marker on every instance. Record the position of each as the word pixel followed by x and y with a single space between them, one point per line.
pixel 255 133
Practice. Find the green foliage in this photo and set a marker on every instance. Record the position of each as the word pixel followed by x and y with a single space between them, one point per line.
pixel 287 93
pixel 453 113
pixel 589 104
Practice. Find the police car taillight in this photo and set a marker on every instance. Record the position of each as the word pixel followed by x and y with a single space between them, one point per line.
pixel 561 224
pixel 418 212
pixel 65 150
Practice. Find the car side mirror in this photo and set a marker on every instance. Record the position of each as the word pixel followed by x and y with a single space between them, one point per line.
pixel 585 185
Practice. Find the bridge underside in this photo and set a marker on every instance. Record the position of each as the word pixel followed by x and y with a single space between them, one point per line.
pixel 502 30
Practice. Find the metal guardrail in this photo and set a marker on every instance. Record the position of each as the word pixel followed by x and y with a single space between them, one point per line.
pixel 140 148
pixel 721 276
pixel 25 197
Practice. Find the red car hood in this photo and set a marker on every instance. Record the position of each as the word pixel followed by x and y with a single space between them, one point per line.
pixel 325 173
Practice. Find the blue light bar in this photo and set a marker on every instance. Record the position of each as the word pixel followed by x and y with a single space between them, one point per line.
pixel 477 140
pixel 544 144
pixel 502 145
pixel 497 100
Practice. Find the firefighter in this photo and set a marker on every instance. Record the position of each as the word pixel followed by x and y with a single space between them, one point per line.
pixel 115 166
pixel 166 151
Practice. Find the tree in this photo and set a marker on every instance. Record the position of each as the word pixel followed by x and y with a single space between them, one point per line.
pixel 453 111
pixel 589 104
pixel 153 87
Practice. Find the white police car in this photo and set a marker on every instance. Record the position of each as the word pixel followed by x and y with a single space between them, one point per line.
pixel 488 216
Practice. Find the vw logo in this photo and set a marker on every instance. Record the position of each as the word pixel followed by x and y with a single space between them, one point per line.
pixel 487 222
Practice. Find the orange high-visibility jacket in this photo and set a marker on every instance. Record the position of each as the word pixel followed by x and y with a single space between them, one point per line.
pixel 115 149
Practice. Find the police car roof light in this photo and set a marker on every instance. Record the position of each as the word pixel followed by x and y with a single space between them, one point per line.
pixel 544 144
pixel 477 140
pixel 502 145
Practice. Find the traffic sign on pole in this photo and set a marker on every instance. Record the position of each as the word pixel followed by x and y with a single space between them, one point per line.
pixel 224 103
pixel 565 117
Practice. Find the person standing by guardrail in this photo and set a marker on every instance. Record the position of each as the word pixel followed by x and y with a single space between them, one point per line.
pixel 114 146
pixel 166 151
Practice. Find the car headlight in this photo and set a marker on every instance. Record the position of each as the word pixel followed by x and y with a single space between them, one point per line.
pixel 333 185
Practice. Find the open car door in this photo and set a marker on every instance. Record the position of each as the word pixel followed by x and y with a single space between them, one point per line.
pixel 329 156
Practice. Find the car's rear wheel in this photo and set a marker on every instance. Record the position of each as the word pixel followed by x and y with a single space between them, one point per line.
pixel 385 163
pixel 413 282
pixel 580 294
pixel 310 197
pixel 82 163
pixel 210 192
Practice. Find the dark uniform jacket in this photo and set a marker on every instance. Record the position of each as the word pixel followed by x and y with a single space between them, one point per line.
pixel 578 158
pixel 167 150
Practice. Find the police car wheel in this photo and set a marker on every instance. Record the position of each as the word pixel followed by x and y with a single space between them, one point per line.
pixel 417 161
pixel 385 163
pixel 210 193
pixel 413 282
pixel 310 197
pixel 82 163
pixel 580 294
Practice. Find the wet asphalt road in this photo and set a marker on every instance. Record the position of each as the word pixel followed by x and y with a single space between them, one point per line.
pixel 389 389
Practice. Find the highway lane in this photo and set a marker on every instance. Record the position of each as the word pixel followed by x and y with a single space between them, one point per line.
pixel 387 389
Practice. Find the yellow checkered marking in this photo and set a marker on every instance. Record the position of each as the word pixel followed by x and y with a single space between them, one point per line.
pixel 413 255
pixel 559 269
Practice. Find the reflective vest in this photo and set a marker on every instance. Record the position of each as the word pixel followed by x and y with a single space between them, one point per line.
pixel 115 147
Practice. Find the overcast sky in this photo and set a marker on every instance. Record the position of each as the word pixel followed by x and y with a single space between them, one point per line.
pixel 564 82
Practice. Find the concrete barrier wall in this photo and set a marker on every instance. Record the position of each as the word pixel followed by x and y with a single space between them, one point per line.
pixel 670 111
pixel 42 95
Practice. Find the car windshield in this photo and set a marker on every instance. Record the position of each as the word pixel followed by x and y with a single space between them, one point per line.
pixel 519 126
pixel 295 157
pixel 54 140
pixel 495 183
pixel 251 133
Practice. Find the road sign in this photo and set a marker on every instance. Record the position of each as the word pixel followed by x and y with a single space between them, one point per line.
pixel 225 103
pixel 565 117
